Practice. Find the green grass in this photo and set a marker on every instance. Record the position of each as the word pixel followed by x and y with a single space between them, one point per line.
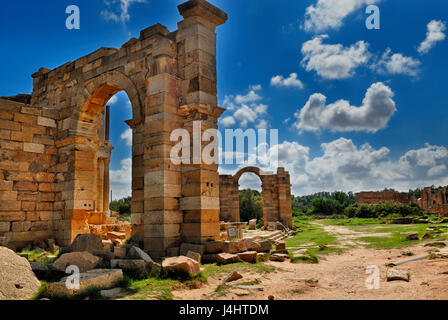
pixel 39 256
pixel 153 288
pixel 258 268
pixel 310 234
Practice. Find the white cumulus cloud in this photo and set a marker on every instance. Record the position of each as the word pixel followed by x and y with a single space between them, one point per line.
pixel 374 114
pixel 434 34
pixel 121 180
pixel 396 64
pixel 127 136
pixel 291 81
pixel 334 61
pixel 330 14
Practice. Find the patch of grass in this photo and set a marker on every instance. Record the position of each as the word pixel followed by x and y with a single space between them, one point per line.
pixel 253 282
pixel 351 221
pixel 39 256
pixel 437 244
pixel 153 288
pixel 310 234
pixel 40 293
pixel 258 268
pixel 306 258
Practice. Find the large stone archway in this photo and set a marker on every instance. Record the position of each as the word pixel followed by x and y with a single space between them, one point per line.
pixel 276 193
pixel 170 79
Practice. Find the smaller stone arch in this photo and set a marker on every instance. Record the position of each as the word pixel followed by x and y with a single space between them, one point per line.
pixel 276 193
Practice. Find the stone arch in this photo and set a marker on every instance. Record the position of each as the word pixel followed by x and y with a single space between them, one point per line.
pixel 92 151
pixel 276 193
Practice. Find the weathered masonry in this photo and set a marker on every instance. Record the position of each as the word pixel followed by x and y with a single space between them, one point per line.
pixel 276 193
pixel 54 155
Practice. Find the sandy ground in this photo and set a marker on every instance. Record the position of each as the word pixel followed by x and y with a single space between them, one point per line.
pixel 338 277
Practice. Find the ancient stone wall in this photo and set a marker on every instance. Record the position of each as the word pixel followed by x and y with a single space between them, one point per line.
pixel 434 201
pixel 381 197
pixel 31 205
pixel 276 193
pixel 170 79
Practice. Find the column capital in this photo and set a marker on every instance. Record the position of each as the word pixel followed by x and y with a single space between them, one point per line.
pixel 204 9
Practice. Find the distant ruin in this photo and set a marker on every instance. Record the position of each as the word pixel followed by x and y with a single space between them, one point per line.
pixel 434 201
pixel 55 153
pixel 382 197
pixel 276 193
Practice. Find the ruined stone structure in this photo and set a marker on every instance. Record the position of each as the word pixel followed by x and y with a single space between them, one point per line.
pixel 434 201
pixel 276 193
pixel 381 197
pixel 54 156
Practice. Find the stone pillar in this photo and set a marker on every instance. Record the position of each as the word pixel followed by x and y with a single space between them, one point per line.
pixel 229 199
pixel 106 188
pixel 138 175
pixel 196 42
pixel 162 179
pixel 284 197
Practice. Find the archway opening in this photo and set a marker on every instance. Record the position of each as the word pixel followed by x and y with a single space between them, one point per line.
pixel 250 197
pixel 119 108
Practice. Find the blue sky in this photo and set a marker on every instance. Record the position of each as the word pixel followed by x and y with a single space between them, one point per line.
pixel 329 138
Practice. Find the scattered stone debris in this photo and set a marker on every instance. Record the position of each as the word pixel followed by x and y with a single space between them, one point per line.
pixel 232 277
pixel 427 236
pixel 278 257
pixel 412 236
pixel 180 264
pixel 137 253
pixel 194 255
pixel 87 242
pixel 248 256
pixel 436 244
pixel 101 278
pixel 271 298
pixel 85 261
pixel 397 275
pixel 17 280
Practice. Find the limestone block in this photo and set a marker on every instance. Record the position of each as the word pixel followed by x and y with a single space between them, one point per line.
pixel 33 147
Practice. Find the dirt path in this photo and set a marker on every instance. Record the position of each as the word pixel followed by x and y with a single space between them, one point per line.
pixel 339 277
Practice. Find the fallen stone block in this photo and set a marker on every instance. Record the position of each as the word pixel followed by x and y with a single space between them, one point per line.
pixel 105 256
pixel 263 256
pixel 220 258
pixel 194 255
pixel 113 235
pixel 278 257
pixel 265 245
pixel 100 278
pixel 87 242
pixel 137 253
pixel 17 279
pixel 108 245
pixel 232 277
pixel 280 245
pixel 412 236
pixel 138 269
pixel 252 245
pixel 234 246
pixel 85 261
pixel 248 256
pixel 173 252
pixel 185 247
pixel 397 274
pixel 120 252
pixel 280 251
pixel 213 247
pixel 180 266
